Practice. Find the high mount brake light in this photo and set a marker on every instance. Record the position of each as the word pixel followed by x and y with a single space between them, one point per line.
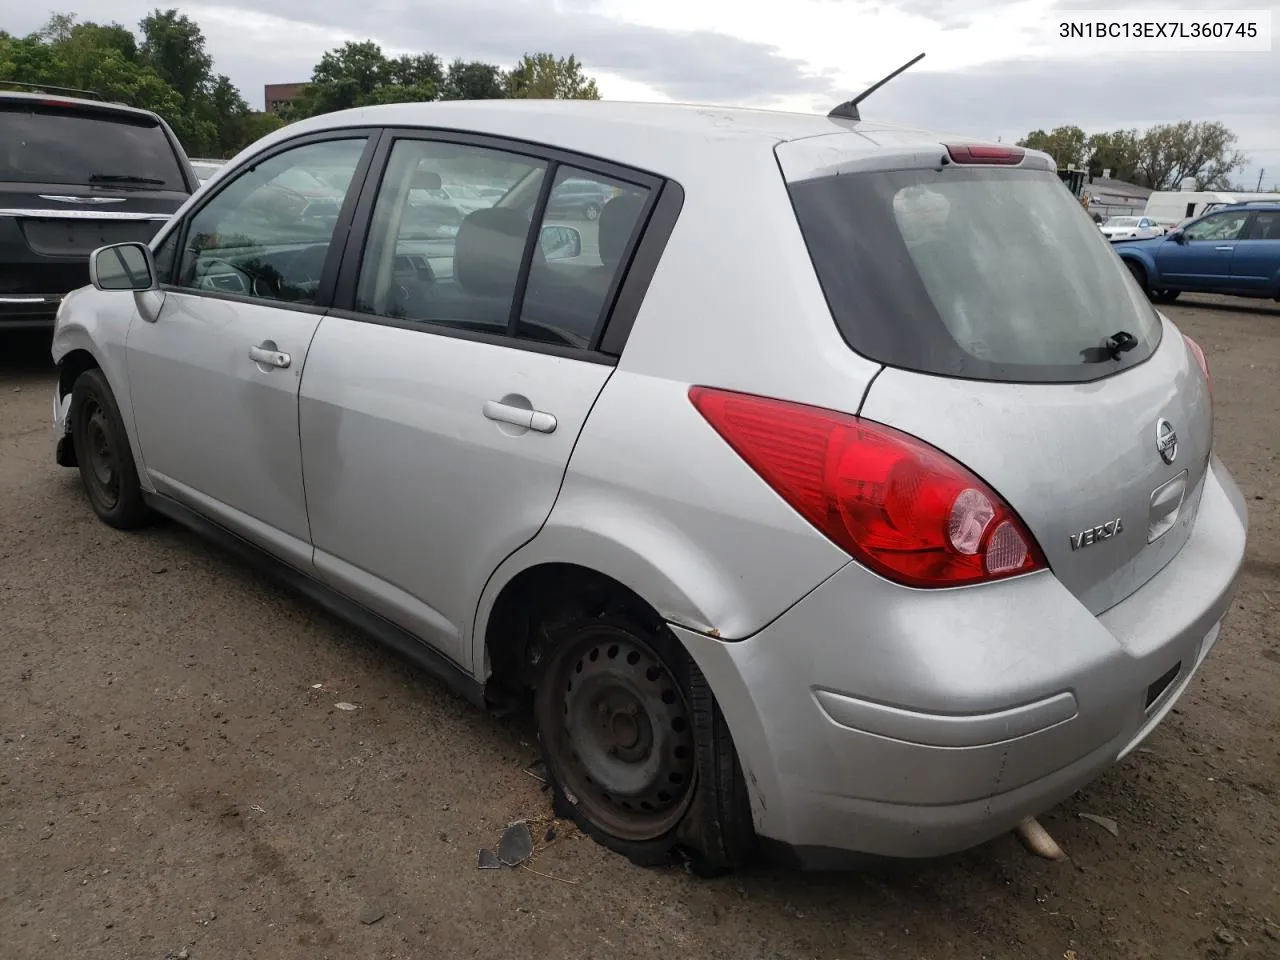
pixel 982 153
pixel 899 506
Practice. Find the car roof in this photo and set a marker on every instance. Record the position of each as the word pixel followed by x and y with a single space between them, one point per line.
pixel 661 137
pixel 101 106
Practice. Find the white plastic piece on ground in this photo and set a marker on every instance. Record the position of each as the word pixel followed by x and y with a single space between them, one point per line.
pixel 1036 839
pixel 346 706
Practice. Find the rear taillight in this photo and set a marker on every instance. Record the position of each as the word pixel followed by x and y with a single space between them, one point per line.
pixel 896 504
pixel 1200 359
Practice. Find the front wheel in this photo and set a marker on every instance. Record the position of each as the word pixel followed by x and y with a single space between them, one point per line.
pixel 638 753
pixel 1139 274
pixel 103 454
pixel 592 211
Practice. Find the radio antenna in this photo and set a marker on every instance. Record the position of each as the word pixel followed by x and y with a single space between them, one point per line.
pixel 849 109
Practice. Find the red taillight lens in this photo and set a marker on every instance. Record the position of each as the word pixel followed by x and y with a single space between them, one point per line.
pixel 898 505
pixel 981 153
pixel 1200 359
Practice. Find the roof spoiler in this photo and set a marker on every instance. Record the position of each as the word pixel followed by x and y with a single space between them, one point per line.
pixel 849 109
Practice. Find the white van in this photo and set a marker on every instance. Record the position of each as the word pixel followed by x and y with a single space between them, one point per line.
pixel 1171 207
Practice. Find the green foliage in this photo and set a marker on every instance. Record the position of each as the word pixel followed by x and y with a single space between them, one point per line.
pixel 541 76
pixel 166 67
pixel 1067 145
pixel 1159 158
pixel 474 81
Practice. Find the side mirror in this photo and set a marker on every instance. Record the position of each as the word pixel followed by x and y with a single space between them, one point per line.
pixel 1177 236
pixel 561 243
pixel 122 266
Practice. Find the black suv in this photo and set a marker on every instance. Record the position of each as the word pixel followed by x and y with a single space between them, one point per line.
pixel 76 174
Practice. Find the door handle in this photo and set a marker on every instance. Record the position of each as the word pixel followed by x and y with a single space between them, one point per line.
pixel 272 358
pixel 520 416
pixel 1224 248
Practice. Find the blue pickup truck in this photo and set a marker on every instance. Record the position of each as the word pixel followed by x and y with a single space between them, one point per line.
pixel 1234 249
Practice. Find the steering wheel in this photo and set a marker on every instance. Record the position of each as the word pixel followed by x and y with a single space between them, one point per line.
pixel 222 276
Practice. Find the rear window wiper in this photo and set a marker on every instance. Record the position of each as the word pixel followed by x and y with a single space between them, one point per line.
pixel 122 178
pixel 1119 342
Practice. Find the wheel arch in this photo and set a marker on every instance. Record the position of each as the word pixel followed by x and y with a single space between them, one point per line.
pixel 656 569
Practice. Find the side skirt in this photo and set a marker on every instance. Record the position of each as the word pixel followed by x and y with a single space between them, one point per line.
pixel 363 619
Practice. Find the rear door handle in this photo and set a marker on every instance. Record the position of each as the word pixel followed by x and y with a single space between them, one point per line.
pixel 520 416
pixel 270 357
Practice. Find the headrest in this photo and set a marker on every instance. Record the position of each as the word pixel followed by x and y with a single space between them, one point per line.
pixel 486 257
pixel 617 220
pixel 424 179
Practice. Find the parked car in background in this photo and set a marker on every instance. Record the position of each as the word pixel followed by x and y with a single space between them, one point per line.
pixel 578 200
pixel 1131 228
pixel 1233 250
pixel 206 168
pixel 796 507
pixel 76 174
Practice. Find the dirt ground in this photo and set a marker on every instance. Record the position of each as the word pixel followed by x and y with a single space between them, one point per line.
pixel 171 779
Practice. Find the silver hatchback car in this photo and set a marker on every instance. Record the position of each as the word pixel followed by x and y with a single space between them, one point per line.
pixel 834 491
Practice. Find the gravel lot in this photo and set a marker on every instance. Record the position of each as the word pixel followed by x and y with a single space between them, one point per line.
pixel 171 779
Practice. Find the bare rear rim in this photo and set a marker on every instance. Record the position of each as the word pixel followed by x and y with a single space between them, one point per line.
pixel 619 734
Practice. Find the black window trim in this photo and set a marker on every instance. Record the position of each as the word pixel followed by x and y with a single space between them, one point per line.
pixel 337 243
pixel 639 262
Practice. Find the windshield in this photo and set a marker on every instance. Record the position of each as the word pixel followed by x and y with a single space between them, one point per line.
pixel 975 273
pixel 41 144
pixel 1122 222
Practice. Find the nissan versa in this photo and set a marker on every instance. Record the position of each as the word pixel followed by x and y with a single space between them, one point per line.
pixel 836 491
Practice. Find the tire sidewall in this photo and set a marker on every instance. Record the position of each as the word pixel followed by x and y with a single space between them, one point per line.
pixel 129 509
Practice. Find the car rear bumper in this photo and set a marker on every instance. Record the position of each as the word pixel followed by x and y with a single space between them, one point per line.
pixel 28 311
pixel 875 719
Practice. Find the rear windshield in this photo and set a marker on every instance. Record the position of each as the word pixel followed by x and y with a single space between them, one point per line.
pixel 63 145
pixel 975 273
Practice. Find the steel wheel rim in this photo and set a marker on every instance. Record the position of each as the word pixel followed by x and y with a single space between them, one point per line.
pixel 620 736
pixel 101 455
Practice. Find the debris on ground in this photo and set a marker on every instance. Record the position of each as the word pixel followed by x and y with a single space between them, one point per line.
pixel 1106 823
pixel 1225 936
pixel 343 705
pixel 516 845
pixel 371 915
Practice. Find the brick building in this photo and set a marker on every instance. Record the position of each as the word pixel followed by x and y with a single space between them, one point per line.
pixel 276 95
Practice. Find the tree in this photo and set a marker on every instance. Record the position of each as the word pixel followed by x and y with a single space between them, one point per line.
pixel 1159 158
pixel 1203 151
pixel 1067 145
pixel 541 76
pixel 173 46
pixel 473 81
pixel 1117 151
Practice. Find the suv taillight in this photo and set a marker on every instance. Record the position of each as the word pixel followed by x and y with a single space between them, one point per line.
pixel 896 504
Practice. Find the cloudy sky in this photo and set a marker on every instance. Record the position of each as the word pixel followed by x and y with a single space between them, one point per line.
pixel 993 67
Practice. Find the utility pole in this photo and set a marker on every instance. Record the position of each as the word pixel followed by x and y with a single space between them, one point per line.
pixel 1260 173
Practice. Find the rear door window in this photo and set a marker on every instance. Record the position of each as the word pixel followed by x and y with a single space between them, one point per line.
pixel 974 273
pixel 47 144
pixel 1265 226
